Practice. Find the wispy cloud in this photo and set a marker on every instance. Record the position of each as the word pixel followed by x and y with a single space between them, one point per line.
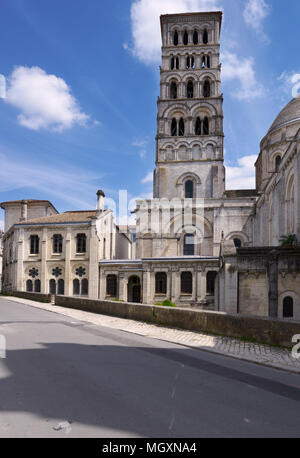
pixel 241 176
pixel 141 145
pixel 45 101
pixel 148 178
pixel 255 13
pixel 243 71
pixel 71 185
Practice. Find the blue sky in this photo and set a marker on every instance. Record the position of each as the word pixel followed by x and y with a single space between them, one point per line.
pixel 82 83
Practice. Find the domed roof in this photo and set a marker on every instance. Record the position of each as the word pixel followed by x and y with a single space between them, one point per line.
pixel 290 114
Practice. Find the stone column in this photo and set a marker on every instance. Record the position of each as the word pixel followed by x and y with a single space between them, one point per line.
pixel 297 194
pixel 195 286
pixel 231 286
pixel 68 286
pixel 44 256
pixel 93 263
pixel 19 286
pixel 273 284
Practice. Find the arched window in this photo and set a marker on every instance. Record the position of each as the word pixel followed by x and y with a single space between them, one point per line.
pixel 198 126
pixel 186 283
pixel 172 63
pixel 237 243
pixel 161 283
pixel 189 245
pixel 190 90
pixel 205 126
pixel 277 163
pixel 85 287
pixel 206 89
pixel 76 287
pixel 174 128
pixel 177 63
pixel 175 39
pixel 205 37
pixel 208 61
pixel 185 38
pixel 57 243
pixel 37 286
pixel 111 285
pixel 288 307
pixel 195 37
pixel 210 283
pixel 34 244
pixel 61 287
pixel 52 286
pixel 189 189
pixel 29 286
pixel 190 62
pixel 181 127
pixel 173 90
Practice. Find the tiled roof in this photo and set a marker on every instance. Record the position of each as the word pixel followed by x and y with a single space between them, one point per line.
pixel 67 217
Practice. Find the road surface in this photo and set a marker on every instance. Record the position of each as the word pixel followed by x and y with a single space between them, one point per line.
pixel 66 378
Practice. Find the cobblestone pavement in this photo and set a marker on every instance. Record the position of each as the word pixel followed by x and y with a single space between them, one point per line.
pixel 226 346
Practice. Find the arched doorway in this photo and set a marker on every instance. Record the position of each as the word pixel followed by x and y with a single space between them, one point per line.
pixel 134 290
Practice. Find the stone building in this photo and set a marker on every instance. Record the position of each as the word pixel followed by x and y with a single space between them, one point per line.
pixel 47 252
pixel 179 232
pixel 265 279
pixel 198 244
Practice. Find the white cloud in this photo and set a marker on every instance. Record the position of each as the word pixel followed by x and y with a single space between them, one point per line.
pixel 146 26
pixel 241 176
pixel 70 185
pixel 290 83
pixel 242 70
pixel 254 14
pixel 148 178
pixel 45 101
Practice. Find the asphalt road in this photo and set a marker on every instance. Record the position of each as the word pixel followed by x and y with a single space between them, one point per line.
pixel 66 378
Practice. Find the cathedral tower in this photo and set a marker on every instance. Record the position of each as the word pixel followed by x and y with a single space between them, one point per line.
pixel 190 139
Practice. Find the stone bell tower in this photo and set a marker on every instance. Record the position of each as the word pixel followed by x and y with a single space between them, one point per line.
pixel 190 138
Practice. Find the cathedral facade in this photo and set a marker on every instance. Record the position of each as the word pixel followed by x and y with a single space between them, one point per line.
pixel 195 240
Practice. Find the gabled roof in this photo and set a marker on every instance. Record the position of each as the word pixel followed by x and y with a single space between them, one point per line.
pixel 67 217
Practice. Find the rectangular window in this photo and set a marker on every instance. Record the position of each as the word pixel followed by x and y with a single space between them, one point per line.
pixel 81 243
pixel 57 244
pixel 34 244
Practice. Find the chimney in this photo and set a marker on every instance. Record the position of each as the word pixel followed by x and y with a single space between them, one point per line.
pixel 100 201
pixel 24 210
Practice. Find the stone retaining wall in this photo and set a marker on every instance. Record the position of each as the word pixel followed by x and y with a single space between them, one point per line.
pixel 264 330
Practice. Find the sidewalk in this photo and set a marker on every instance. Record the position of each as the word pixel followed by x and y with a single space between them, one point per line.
pixel 253 352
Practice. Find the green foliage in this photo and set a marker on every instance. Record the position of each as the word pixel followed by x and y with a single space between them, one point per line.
pixel 165 303
pixel 289 240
